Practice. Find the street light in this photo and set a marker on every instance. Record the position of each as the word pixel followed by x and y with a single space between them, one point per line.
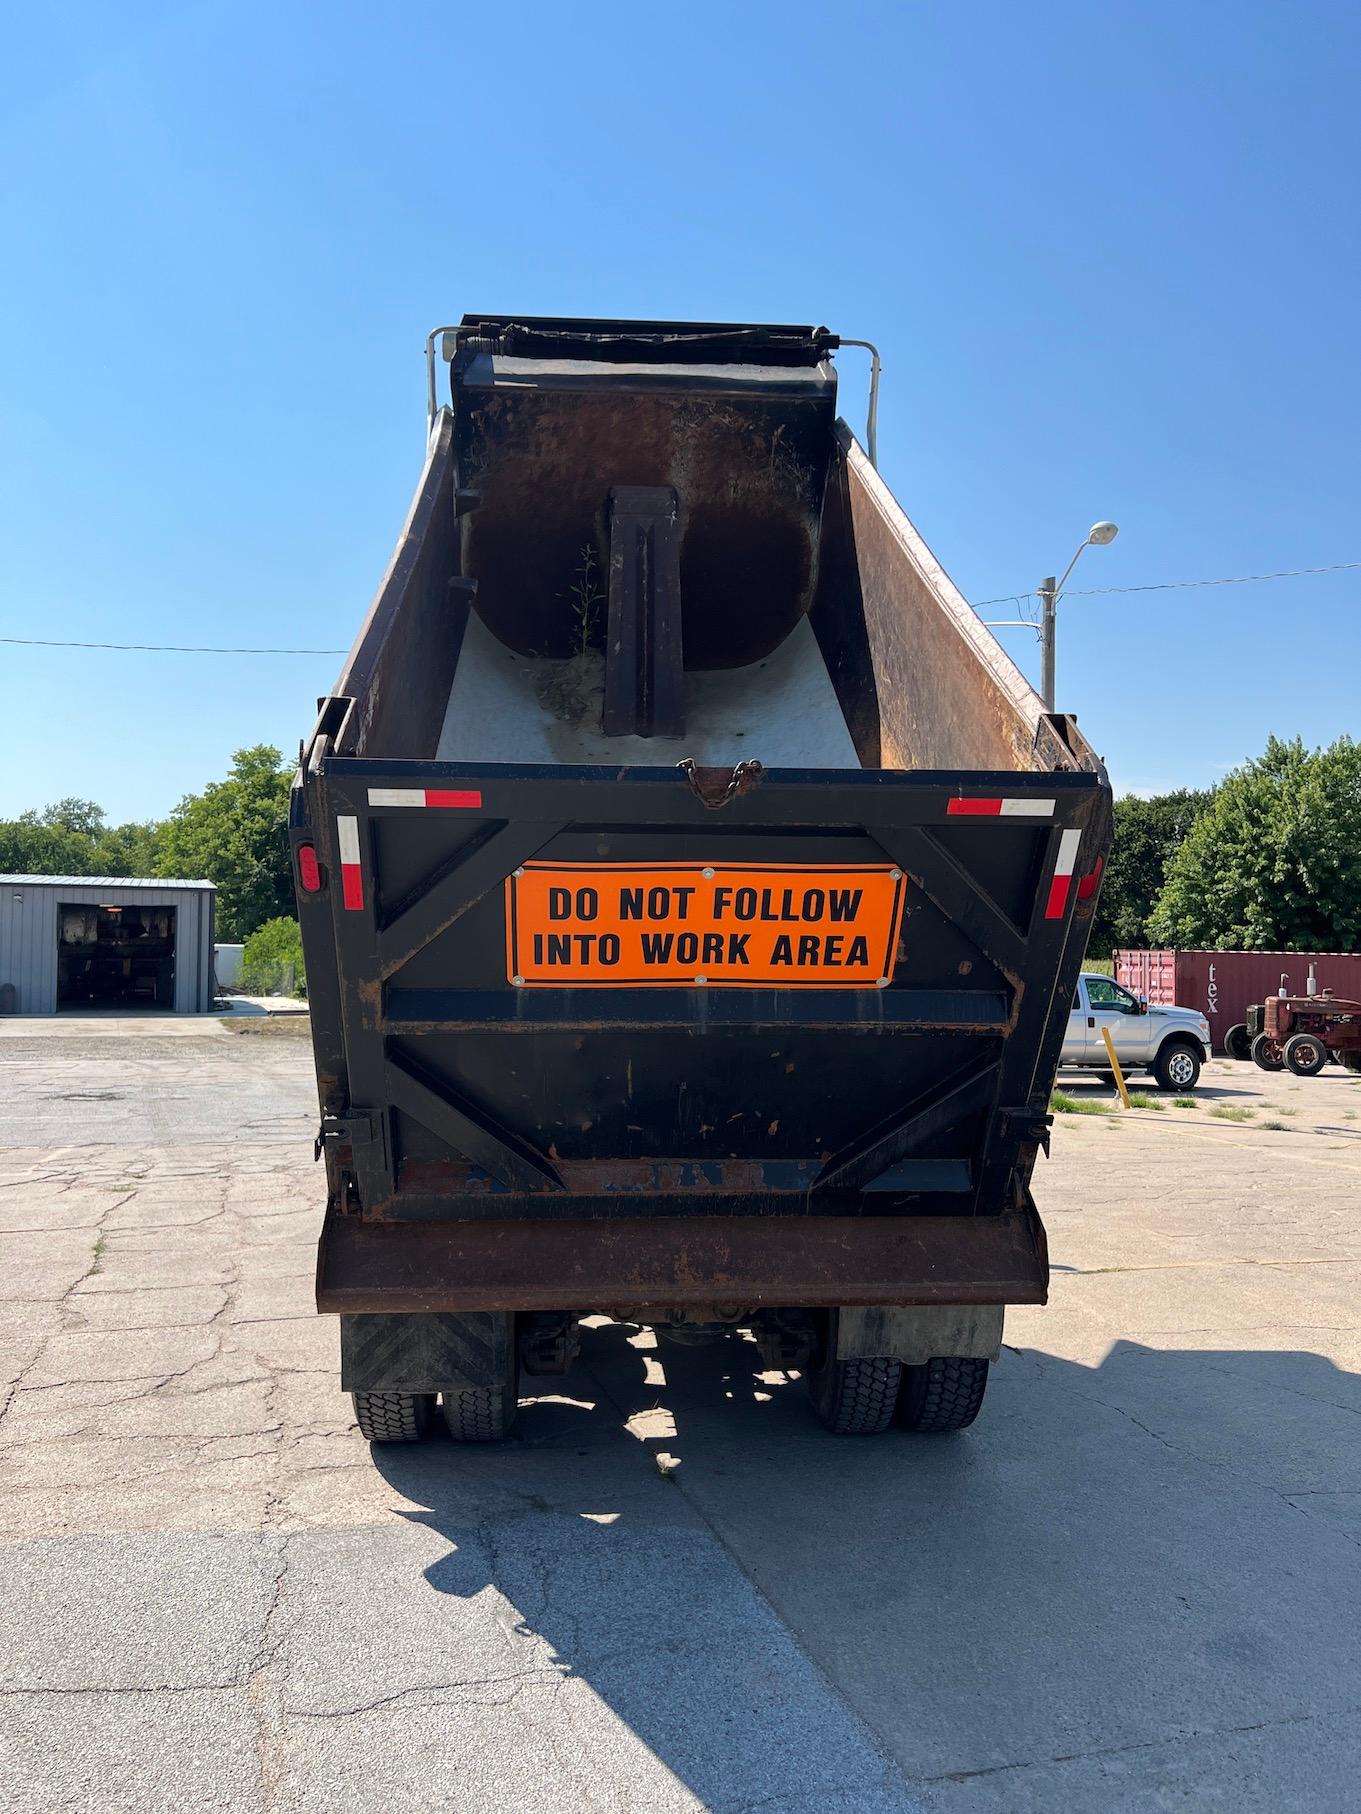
pixel 1098 536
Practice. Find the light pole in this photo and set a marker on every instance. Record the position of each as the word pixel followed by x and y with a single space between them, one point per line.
pixel 1051 591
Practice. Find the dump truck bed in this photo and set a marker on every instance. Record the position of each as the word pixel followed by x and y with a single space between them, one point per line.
pixel 692 890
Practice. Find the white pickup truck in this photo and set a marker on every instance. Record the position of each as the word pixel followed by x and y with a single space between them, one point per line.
pixel 1173 1043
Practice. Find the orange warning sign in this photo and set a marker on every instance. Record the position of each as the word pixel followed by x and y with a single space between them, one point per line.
pixel 714 925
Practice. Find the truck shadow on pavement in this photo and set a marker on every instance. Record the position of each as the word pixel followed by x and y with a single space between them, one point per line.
pixel 1120 1561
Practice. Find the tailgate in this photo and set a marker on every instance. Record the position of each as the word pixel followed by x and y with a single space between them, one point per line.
pixel 586 993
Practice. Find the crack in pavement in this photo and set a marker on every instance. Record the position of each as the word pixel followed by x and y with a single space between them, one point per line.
pixel 1224 1467
pixel 422 1694
pixel 16 1385
pixel 1179 1735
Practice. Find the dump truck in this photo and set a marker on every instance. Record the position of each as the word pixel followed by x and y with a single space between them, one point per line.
pixel 692 894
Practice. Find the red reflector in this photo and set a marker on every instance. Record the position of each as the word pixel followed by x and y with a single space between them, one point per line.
pixel 1057 904
pixel 1089 884
pixel 453 796
pixel 309 870
pixel 974 809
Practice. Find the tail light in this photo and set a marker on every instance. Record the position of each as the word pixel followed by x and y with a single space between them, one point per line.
pixel 1089 883
pixel 309 870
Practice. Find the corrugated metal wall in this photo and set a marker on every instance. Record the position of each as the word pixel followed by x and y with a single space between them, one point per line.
pixel 28 934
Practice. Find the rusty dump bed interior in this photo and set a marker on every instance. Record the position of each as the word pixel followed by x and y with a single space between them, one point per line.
pixel 660 542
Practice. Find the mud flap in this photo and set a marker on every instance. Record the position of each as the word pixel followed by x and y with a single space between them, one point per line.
pixel 917 1334
pixel 426 1352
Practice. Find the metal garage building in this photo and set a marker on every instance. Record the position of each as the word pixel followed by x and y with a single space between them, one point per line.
pixel 114 943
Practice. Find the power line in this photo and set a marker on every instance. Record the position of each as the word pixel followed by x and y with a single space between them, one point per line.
pixel 1177 585
pixel 1011 598
pixel 1242 579
pixel 158 648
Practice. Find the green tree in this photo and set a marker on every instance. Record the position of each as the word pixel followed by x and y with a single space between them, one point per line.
pixel 72 837
pixel 272 959
pixel 28 846
pixel 235 833
pixel 128 850
pixel 1147 833
pixel 84 817
pixel 1275 862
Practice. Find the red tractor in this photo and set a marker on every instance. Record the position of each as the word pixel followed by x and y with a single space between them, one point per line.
pixel 1302 1032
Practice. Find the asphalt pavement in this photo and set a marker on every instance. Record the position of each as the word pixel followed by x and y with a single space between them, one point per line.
pixel 1132 1585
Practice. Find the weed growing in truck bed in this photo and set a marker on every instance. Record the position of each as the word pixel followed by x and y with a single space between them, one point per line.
pixel 1233 1114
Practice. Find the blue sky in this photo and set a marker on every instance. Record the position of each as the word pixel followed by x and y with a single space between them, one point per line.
pixel 1110 253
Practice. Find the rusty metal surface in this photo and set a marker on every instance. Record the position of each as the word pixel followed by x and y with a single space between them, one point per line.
pixel 643 655
pixel 748 474
pixel 604 1177
pixel 923 683
pixel 402 664
pixel 1334 1020
pixel 588 1265
pixel 1060 745
pixel 715 788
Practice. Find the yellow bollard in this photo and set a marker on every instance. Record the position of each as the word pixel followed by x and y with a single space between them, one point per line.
pixel 1115 1066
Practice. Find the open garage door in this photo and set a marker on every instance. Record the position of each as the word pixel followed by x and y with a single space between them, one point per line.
pixel 115 956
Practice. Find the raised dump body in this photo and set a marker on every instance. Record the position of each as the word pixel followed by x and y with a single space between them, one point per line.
pixel 692 893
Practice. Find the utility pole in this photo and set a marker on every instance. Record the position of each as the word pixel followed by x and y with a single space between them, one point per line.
pixel 1100 535
pixel 1048 623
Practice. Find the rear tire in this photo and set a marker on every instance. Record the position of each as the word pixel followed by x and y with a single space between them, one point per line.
pixel 1305 1054
pixel 855 1397
pixel 1177 1066
pixel 482 1413
pixel 1238 1043
pixel 394 1416
pixel 944 1395
pixel 1264 1053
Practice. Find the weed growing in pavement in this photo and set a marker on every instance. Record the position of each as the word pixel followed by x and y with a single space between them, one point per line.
pixel 1140 1099
pixel 1233 1114
pixel 1349 1114
pixel 1064 1104
pixel 1185 1102
pixel 1287 1111
pixel 1274 1127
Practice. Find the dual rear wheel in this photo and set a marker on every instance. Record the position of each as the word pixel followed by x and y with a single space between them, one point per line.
pixel 863 1397
pixel 851 1397
pixel 481 1414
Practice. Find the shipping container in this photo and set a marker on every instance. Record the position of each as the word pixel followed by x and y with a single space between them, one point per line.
pixel 1224 984
pixel 692 891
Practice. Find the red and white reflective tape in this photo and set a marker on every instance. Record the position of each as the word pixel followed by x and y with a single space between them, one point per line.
pixel 1061 885
pixel 465 797
pixel 994 808
pixel 351 875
